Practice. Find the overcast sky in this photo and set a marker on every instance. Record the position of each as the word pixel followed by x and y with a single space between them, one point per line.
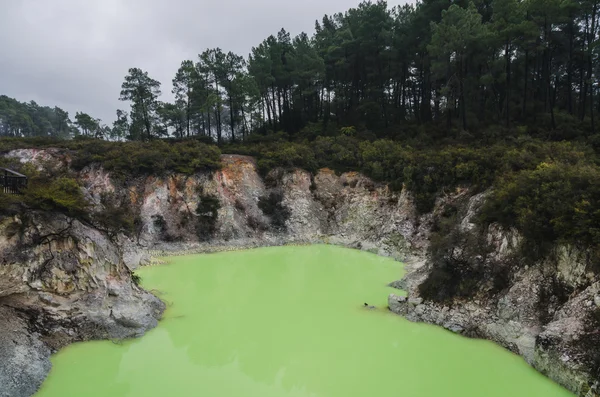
pixel 75 53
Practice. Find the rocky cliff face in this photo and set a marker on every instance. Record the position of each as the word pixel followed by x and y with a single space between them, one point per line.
pixel 546 310
pixel 283 207
pixel 235 207
pixel 61 281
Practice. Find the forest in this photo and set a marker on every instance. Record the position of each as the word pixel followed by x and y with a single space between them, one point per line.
pixel 459 66
pixel 494 95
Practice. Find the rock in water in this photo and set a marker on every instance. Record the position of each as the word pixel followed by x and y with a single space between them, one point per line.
pixel 398 304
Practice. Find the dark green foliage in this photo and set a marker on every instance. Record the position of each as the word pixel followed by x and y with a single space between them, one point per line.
pixel 19 119
pixel 136 279
pixel 61 194
pixel 126 159
pixel 161 226
pixel 143 92
pixel 8 144
pixel 116 216
pixel 32 120
pixel 272 206
pixel 460 264
pixel 275 154
pixel 57 190
pixel 426 172
pixel 52 189
pixel 469 69
pixel 557 202
pixel 207 213
pixel 155 157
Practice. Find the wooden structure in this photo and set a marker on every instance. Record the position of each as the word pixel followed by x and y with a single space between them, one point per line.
pixel 11 181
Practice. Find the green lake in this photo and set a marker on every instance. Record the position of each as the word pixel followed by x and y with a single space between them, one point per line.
pixel 288 322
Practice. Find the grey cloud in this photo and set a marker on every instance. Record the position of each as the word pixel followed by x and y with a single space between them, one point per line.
pixel 74 53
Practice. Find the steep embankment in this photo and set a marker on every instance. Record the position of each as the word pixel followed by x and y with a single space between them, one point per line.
pixel 61 281
pixel 235 207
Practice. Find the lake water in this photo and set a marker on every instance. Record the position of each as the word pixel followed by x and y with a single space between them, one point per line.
pixel 288 322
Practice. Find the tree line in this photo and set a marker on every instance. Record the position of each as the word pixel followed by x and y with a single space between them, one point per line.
pixel 28 119
pixel 462 65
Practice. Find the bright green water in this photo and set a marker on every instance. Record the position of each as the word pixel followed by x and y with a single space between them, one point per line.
pixel 288 322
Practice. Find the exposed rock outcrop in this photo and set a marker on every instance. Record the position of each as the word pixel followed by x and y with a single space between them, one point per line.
pixel 61 281
pixel 236 208
pixel 544 311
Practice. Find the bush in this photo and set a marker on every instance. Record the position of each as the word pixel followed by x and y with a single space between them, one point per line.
pixel 124 159
pixel 273 207
pixel 62 194
pixel 554 203
pixel 461 264
pixel 287 155
pixel 137 280
pixel 116 216
pixel 208 213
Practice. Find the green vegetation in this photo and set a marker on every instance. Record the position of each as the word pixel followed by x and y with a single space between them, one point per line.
pixel 461 267
pixel 272 206
pixel 136 279
pixel 62 194
pixel 18 119
pixel 554 203
pixel 56 189
pixel 126 159
pixel 464 67
pixel 48 190
pixel 155 157
pixel 116 216
pixel 432 97
pixel 207 212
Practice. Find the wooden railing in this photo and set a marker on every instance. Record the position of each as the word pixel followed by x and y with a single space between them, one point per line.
pixel 12 182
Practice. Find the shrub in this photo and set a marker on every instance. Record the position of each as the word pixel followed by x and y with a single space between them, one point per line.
pixel 461 266
pixel 273 207
pixel 125 159
pixel 62 194
pixel 287 155
pixel 207 212
pixel 137 280
pixel 554 203
pixel 116 216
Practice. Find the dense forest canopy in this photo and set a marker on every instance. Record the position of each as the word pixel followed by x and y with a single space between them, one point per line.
pixel 462 65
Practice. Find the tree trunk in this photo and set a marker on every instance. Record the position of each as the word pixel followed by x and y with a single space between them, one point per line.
pixel 586 79
pixel 590 74
pixel 208 121
pixel 463 105
pixel 525 87
pixel 507 93
pixel 552 103
pixel 269 111
pixel 232 122
pixel 570 68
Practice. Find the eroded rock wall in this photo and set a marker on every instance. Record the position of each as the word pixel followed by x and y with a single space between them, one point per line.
pixel 545 311
pixel 283 207
pixel 61 281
